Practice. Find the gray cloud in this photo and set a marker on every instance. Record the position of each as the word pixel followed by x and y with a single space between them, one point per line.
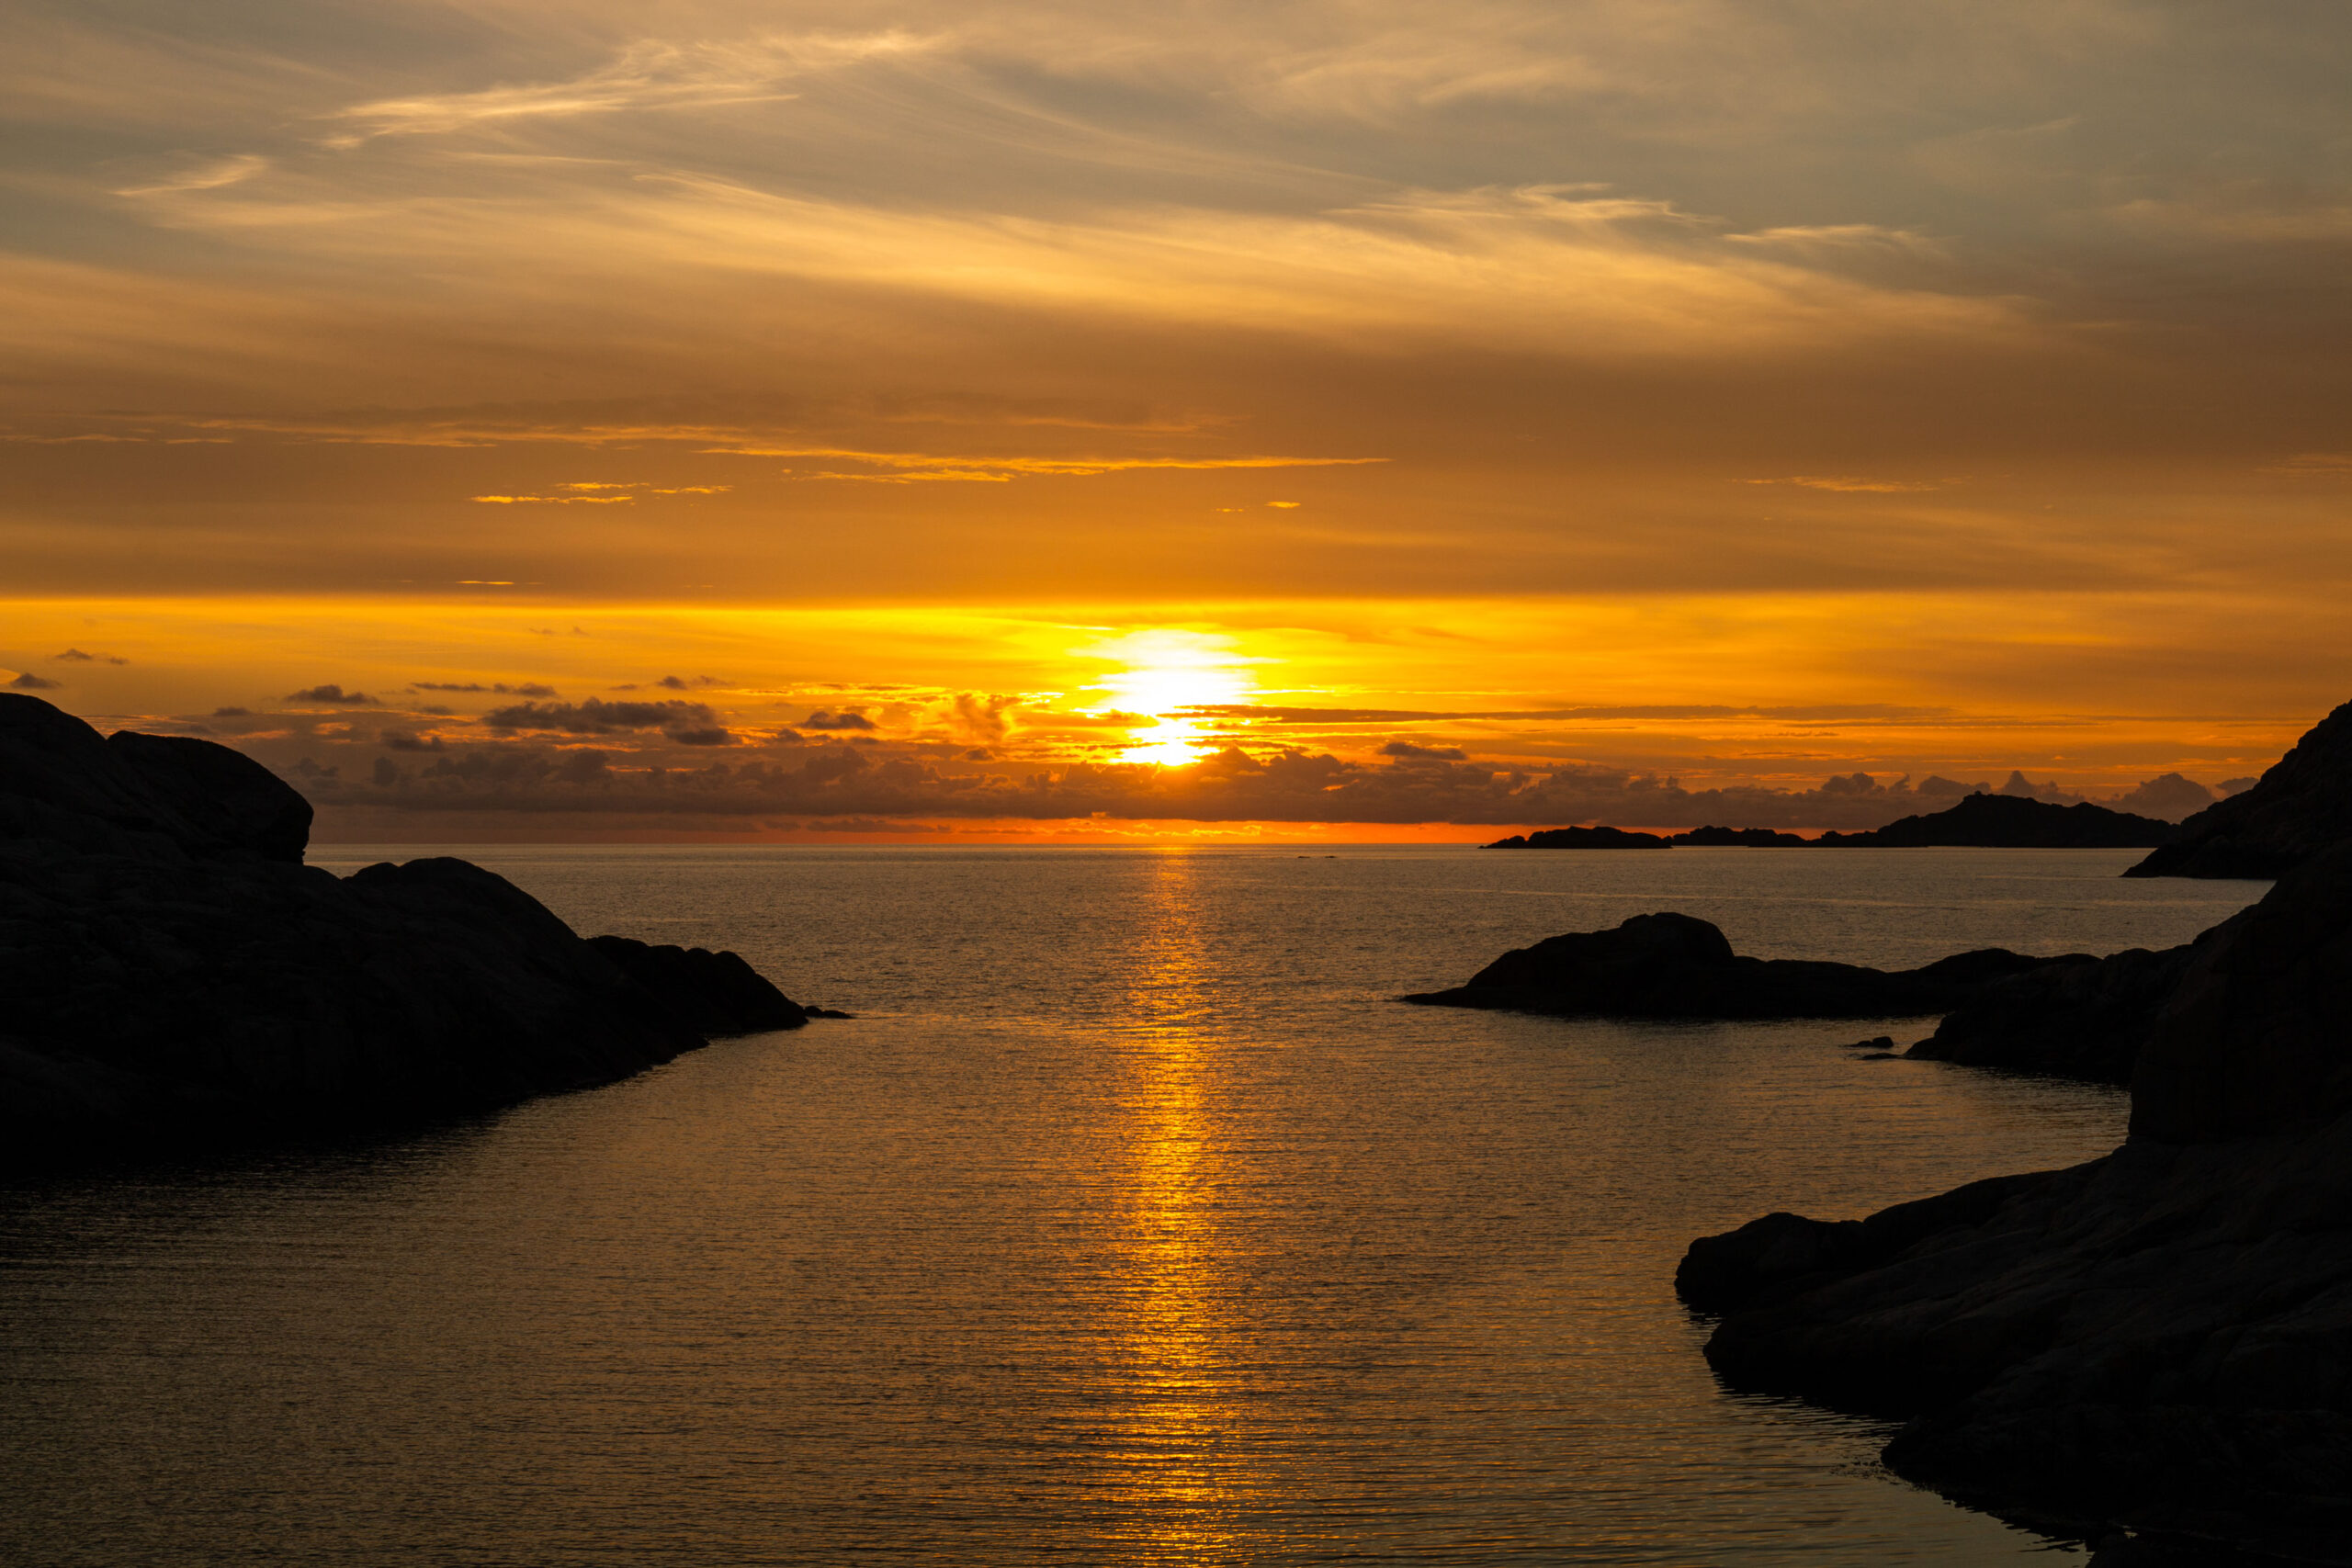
pixel 597 717
pixel 843 720
pixel 840 780
pixel 28 681
pixel 332 694
pixel 526 689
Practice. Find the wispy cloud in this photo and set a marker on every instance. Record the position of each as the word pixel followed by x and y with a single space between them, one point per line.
pixel 1852 483
pixel 648 74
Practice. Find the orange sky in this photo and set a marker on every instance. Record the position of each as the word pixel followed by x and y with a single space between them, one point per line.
pixel 1739 394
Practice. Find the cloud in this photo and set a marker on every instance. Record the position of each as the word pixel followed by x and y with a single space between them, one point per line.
pixel 215 175
pixel 75 656
pixel 526 689
pixel 597 717
pixel 2168 797
pixel 834 778
pixel 845 719
pixel 1406 750
pixel 28 681
pixel 332 694
pixel 987 719
pixel 648 76
pixel 406 740
pixel 1847 483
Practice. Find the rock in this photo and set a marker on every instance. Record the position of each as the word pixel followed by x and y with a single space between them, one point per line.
pixel 712 993
pixel 2011 822
pixel 175 978
pixel 2077 1017
pixel 2299 808
pixel 1742 837
pixel 1673 966
pixel 1581 839
pixel 2161 1337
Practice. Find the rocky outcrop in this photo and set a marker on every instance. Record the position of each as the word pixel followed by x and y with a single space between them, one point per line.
pixel 2161 1337
pixel 1672 965
pixel 2075 1017
pixel 175 977
pixel 2301 806
pixel 1582 838
pixel 2011 822
pixel 712 993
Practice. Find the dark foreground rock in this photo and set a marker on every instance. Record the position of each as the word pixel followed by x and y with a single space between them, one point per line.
pixel 1670 966
pixel 2077 1017
pixel 2303 806
pixel 1582 838
pixel 2161 1337
pixel 2011 822
pixel 175 978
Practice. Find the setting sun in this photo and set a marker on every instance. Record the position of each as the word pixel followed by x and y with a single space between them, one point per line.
pixel 1166 673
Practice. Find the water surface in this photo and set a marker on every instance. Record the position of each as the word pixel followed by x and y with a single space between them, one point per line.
pixel 1128 1223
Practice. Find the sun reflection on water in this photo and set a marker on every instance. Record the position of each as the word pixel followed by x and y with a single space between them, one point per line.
pixel 1184 1439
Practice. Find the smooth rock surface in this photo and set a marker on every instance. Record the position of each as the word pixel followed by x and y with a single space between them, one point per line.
pixel 174 976
pixel 2299 808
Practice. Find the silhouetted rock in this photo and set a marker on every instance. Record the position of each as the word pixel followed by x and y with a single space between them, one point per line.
pixel 1739 838
pixel 1670 966
pixel 2011 822
pixel 2303 806
pixel 712 993
pixel 2077 1017
pixel 1582 838
pixel 175 977
pixel 2162 1335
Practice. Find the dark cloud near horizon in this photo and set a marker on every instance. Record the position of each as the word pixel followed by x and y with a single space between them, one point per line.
pixel 75 656
pixel 526 689
pixel 1406 749
pixel 837 779
pixel 28 681
pixel 595 715
pixel 333 696
pixel 845 719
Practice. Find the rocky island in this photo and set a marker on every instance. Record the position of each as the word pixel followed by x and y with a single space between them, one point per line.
pixel 1672 965
pixel 178 979
pixel 2011 822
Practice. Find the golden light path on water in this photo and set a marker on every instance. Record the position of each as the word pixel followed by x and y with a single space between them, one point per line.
pixel 1186 1502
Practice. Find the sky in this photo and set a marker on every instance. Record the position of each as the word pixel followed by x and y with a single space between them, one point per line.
pixel 1340 419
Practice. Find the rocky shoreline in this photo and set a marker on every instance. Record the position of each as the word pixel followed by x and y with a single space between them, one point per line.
pixel 2160 1339
pixel 179 981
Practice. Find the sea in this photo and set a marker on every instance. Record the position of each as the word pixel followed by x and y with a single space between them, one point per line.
pixel 1131 1220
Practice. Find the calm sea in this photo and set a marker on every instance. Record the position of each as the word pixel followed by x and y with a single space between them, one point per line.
pixel 1129 1222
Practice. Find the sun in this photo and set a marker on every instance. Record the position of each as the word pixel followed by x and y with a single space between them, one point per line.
pixel 1162 672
